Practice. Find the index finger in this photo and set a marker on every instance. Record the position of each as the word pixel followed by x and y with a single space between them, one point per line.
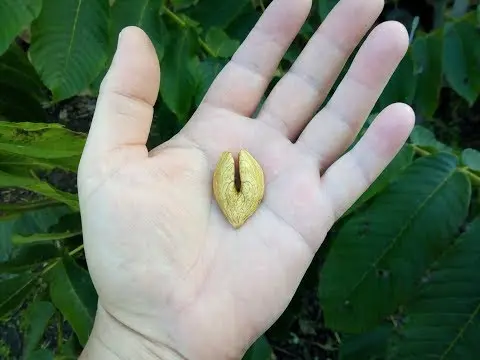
pixel 242 82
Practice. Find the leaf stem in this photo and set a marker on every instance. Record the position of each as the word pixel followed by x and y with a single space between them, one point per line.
pixel 76 250
pixel 262 5
pixel 474 178
pixel 205 47
pixel 174 17
pixel 420 151
pixel 183 24
pixel 60 331
pixel 56 261
pixel 50 266
pixel 28 205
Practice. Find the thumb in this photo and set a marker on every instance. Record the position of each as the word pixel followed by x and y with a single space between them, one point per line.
pixel 124 111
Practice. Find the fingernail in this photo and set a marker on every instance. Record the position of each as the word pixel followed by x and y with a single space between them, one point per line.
pixel 119 44
pixel 120 36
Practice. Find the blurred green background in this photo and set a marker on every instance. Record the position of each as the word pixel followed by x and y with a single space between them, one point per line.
pixel 397 277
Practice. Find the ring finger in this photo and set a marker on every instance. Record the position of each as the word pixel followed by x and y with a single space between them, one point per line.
pixel 301 91
pixel 335 127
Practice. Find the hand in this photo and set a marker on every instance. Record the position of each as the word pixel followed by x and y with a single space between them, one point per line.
pixel 174 278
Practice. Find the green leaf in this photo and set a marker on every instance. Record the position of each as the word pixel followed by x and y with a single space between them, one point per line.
pixel 471 158
pixel 217 13
pixel 397 165
pixel 26 165
pixel 425 138
pixel 68 226
pixel 381 253
pixel 17 105
pixel 37 316
pixel 164 126
pixel 280 330
pixel 39 220
pixel 17 71
pixel 34 141
pixel 183 4
pixel 443 321
pixel 459 8
pixel 242 25
pixel 260 350
pixel 97 82
pixel 29 257
pixel 72 292
pixel 461 58
pixel 427 53
pixel 70 349
pixel 66 357
pixel 413 30
pixel 6 229
pixel 14 291
pixel 69 44
pixel 189 22
pixel 20 239
pixel 206 74
pixel 325 6
pixel 145 15
pixel 15 15
pixel 21 207
pixel 41 354
pixel 178 84
pixel 293 52
pixel 401 15
pixel 39 187
pixel 220 44
pixel 307 30
pixel 371 345
pixel 401 87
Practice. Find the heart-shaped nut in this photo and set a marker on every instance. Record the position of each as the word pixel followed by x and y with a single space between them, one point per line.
pixel 238 205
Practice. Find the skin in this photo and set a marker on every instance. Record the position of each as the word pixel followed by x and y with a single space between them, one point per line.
pixel 175 279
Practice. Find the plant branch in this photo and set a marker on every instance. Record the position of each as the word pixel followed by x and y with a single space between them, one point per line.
pixel 177 19
pixel 262 5
pixel 259 3
pixel 174 17
pixel 474 178
pixel 205 47
pixel 76 250
pixel 420 151
pixel 57 260
pixel 60 331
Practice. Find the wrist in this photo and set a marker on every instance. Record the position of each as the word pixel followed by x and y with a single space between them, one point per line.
pixel 111 340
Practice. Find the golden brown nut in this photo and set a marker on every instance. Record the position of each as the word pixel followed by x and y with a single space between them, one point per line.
pixel 238 205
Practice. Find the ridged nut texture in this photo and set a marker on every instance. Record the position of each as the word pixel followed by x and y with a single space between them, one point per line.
pixel 238 206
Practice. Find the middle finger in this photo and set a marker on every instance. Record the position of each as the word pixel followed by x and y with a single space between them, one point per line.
pixel 301 91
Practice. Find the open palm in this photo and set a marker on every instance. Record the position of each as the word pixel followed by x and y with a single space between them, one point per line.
pixel 167 265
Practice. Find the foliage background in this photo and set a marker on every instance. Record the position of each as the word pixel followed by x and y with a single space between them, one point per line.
pixel 397 277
